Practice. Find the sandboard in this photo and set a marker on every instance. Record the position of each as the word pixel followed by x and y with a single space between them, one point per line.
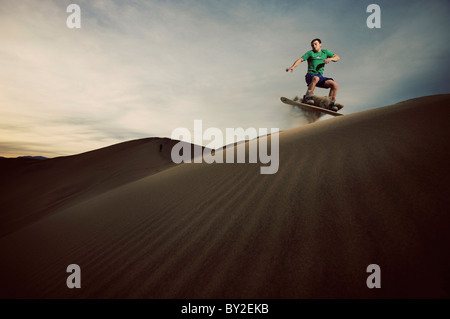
pixel 309 107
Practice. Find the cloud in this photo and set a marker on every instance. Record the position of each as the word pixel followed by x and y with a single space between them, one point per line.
pixel 142 67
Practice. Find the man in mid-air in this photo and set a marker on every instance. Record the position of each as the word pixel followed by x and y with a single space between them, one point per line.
pixel 317 58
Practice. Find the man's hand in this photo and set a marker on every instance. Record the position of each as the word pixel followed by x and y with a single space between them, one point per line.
pixel 334 58
pixel 291 68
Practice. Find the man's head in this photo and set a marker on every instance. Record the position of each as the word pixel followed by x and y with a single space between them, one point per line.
pixel 316 45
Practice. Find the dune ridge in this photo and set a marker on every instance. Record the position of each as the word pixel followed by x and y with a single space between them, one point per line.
pixel 365 188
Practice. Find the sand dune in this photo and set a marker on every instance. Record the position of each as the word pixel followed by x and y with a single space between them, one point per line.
pixel 366 188
pixel 33 188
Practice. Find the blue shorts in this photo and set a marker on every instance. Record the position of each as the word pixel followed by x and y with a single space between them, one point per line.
pixel 322 79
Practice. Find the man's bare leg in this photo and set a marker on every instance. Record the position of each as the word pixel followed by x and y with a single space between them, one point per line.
pixel 333 91
pixel 333 87
pixel 312 85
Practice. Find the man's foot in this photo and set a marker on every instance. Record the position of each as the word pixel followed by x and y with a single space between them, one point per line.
pixel 308 99
pixel 332 106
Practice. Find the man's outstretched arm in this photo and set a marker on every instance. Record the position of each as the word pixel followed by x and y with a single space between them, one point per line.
pixel 295 65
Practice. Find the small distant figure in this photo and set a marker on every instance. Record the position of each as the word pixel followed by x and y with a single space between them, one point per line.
pixel 317 58
pixel 160 148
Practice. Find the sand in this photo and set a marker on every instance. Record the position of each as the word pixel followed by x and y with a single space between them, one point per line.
pixel 34 188
pixel 365 188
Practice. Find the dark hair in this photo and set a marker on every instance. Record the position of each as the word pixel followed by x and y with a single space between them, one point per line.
pixel 316 39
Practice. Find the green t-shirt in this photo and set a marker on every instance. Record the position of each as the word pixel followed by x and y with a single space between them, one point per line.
pixel 316 60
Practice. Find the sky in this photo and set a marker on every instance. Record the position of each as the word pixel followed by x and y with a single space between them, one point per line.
pixel 138 69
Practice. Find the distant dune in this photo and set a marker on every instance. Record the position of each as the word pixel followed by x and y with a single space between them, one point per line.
pixel 32 188
pixel 361 189
pixel 34 157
